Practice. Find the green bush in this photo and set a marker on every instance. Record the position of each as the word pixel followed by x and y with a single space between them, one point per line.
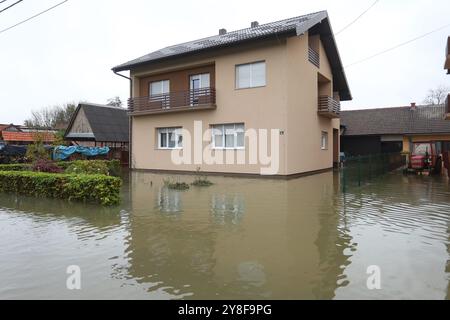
pixel 92 166
pixel 97 188
pixel 15 167
pixel 112 166
pixel 36 150
pixel 88 167
pixel 175 185
pixel 201 180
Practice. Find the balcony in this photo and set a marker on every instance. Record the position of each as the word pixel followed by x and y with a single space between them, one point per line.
pixel 328 107
pixel 313 57
pixel 181 101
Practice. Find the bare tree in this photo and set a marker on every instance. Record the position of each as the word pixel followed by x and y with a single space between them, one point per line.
pixel 437 96
pixel 57 117
pixel 116 102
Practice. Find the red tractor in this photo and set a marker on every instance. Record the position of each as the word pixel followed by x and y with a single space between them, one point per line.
pixel 424 157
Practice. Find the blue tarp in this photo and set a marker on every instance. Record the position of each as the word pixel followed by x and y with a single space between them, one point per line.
pixel 62 152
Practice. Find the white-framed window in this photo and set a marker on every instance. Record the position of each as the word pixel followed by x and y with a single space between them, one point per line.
pixel 170 138
pixel 251 75
pixel 228 136
pixel 199 81
pixel 324 141
pixel 159 87
pixel 159 93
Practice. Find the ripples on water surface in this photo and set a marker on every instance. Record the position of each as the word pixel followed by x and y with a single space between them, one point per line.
pixel 240 238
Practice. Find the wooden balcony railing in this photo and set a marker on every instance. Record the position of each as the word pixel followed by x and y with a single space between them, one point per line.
pixel 328 107
pixel 198 99
pixel 313 57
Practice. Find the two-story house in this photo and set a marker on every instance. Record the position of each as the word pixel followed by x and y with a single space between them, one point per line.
pixel 278 84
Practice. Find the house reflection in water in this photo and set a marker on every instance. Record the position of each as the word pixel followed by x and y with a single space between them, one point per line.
pixel 286 240
pixel 227 208
pixel 168 201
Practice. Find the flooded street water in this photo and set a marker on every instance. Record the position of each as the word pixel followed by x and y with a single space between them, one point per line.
pixel 238 239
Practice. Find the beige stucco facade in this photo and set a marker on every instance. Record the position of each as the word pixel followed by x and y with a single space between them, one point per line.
pixel 288 102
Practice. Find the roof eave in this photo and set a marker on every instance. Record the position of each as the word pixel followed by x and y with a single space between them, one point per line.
pixel 72 119
pixel 330 43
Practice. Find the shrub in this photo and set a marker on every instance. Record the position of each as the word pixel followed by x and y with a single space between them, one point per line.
pixel 45 165
pixel 175 185
pixel 85 166
pixel 15 167
pixel 88 167
pixel 98 188
pixel 112 166
pixel 36 150
pixel 201 180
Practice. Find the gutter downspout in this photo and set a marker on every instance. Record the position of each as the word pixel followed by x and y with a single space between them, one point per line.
pixel 130 130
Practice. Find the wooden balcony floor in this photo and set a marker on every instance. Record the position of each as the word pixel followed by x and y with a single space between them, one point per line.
pixel 174 109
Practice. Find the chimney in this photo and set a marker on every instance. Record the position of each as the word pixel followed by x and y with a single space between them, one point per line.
pixel 413 106
pixel 254 24
pixel 222 31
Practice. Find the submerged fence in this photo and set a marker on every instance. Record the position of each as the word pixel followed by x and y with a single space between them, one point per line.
pixel 355 171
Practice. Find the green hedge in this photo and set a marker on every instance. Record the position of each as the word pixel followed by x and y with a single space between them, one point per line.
pixel 98 188
pixel 112 165
pixel 88 167
pixel 15 167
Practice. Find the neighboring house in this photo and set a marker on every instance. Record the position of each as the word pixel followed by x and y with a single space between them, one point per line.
pixel 373 131
pixel 102 126
pixel 284 75
pixel 18 135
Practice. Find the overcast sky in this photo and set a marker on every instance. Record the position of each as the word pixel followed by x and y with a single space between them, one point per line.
pixel 67 54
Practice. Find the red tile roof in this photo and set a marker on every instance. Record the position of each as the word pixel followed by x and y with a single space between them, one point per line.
pixel 26 136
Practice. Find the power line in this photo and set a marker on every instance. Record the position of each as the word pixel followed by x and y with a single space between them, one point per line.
pixel 398 46
pixel 32 17
pixel 2 1
pixel 12 5
pixel 358 17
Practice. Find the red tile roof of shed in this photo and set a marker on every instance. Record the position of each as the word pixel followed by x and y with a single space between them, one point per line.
pixel 26 136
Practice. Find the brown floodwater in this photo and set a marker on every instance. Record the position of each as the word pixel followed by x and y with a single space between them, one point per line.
pixel 238 239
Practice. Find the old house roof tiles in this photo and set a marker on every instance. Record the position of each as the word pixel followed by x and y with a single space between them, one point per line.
pixel 292 26
pixel 395 121
pixel 27 136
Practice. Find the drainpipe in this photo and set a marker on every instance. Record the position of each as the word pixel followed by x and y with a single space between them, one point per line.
pixel 130 121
